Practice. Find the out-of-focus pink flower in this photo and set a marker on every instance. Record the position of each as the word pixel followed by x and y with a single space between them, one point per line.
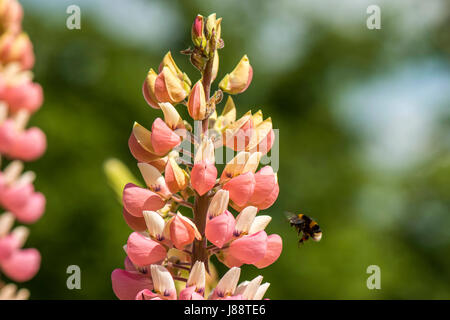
pixel 144 251
pixel 22 265
pixel 127 284
pixel 137 199
pixel 28 96
pixel 32 210
pixel 29 145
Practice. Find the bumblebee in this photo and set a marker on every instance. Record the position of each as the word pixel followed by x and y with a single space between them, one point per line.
pixel 307 226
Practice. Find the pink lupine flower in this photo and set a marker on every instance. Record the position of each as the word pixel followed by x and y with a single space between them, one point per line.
pixel 163 138
pixel 249 248
pixel 274 247
pixel 127 284
pixel 135 223
pixel 28 96
pixel 32 210
pixel 204 172
pixel 182 231
pixel 144 251
pixel 137 199
pixel 241 188
pixel 29 145
pixel 265 181
pixel 166 245
pixel 22 265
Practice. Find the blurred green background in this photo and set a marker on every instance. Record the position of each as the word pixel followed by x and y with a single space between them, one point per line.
pixel 364 135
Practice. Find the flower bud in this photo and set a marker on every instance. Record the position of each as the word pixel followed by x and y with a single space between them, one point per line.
pixel 11 14
pixel 237 135
pixel 263 137
pixel 204 172
pixel 197 33
pixel 148 89
pixel 197 102
pixel 140 144
pixel 176 178
pixel 227 117
pixel 182 231
pixel 239 79
pixel 163 139
pixel 144 251
pixel 169 88
pixel 17 48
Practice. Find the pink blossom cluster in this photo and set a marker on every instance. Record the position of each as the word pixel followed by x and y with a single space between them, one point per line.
pixel 20 97
pixel 168 246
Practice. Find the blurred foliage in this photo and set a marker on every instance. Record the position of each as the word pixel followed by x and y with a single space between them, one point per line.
pixel 92 86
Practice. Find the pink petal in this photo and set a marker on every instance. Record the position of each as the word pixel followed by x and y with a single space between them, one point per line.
pixel 181 233
pixel 144 251
pixel 241 188
pixel 203 177
pixel 29 145
pixel 15 197
pixel 250 248
pixel 32 210
pixel 219 229
pixel 148 98
pixel 127 284
pixel 236 297
pixel 274 248
pixel 138 152
pixel 264 184
pixel 8 135
pixel 27 96
pixel 22 265
pixel 163 138
pixel 137 199
pixel 8 245
pixel 186 293
pixel 146 295
pixel 135 223
pixel 270 199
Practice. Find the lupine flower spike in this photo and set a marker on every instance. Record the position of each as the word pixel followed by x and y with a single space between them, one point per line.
pixel 188 211
pixel 20 97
